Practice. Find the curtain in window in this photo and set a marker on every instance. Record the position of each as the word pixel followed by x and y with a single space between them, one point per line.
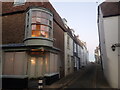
pixel 41 24
pixel 14 63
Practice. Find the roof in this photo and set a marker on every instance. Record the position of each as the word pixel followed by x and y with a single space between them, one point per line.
pixel 110 8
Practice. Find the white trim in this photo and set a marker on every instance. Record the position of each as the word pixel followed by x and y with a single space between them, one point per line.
pixel 19 2
pixel 30 21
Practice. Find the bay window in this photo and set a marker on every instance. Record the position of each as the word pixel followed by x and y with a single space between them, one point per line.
pixel 40 24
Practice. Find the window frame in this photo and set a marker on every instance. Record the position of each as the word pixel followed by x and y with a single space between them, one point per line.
pixel 68 42
pixel 17 2
pixel 28 31
pixel 75 47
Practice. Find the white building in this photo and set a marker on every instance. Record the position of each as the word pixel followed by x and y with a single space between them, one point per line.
pixel 68 50
pixel 84 54
pixel 109 34
pixel 97 55
pixel 68 54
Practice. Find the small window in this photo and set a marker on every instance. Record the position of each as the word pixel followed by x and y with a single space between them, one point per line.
pixel 75 48
pixel 68 42
pixel 19 2
pixel 68 60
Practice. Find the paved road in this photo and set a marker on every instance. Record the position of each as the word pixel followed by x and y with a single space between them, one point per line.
pixel 87 80
pixel 91 77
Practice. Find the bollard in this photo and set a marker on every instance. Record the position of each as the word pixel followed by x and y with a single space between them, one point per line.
pixel 40 84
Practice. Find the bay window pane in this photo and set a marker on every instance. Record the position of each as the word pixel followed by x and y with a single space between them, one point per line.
pixel 38 20
pixel 44 34
pixel 38 14
pixel 35 27
pixel 44 15
pixel 35 33
pixel 41 24
pixel 45 28
pixel 45 21
pixel 47 16
pixel 34 20
pixel 34 13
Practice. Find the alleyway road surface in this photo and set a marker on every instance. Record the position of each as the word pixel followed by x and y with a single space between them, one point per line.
pixel 90 76
pixel 87 80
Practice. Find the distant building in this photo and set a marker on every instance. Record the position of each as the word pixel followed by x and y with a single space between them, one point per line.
pixel 68 49
pixel 97 55
pixel 85 54
pixel 75 53
pixel 109 34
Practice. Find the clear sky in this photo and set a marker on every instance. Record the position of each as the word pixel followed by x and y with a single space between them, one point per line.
pixel 82 17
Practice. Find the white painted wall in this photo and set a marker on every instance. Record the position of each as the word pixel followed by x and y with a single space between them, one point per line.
pixel 82 57
pixel 68 52
pixel 108 29
pixel 119 52
pixel 79 51
pixel 111 37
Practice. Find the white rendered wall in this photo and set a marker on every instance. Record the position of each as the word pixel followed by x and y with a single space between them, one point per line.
pixel 119 52
pixel 108 33
pixel 68 52
pixel 111 37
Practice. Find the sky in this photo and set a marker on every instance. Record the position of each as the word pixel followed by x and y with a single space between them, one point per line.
pixel 82 17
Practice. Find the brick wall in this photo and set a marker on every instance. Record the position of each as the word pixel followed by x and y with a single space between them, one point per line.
pixel 13 27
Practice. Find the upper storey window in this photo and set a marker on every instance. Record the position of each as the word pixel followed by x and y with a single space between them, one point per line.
pixel 19 2
pixel 40 24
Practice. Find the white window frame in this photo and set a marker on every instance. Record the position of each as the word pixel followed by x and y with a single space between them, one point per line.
pixel 19 2
pixel 68 42
pixel 28 30
pixel 75 46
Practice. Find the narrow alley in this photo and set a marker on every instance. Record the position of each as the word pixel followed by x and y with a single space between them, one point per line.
pixel 90 76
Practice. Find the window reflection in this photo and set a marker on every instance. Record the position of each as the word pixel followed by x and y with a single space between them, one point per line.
pixel 41 15
pixel 41 24
pixel 40 31
pixel 35 33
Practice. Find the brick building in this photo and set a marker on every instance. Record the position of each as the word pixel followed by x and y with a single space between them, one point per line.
pixel 33 40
